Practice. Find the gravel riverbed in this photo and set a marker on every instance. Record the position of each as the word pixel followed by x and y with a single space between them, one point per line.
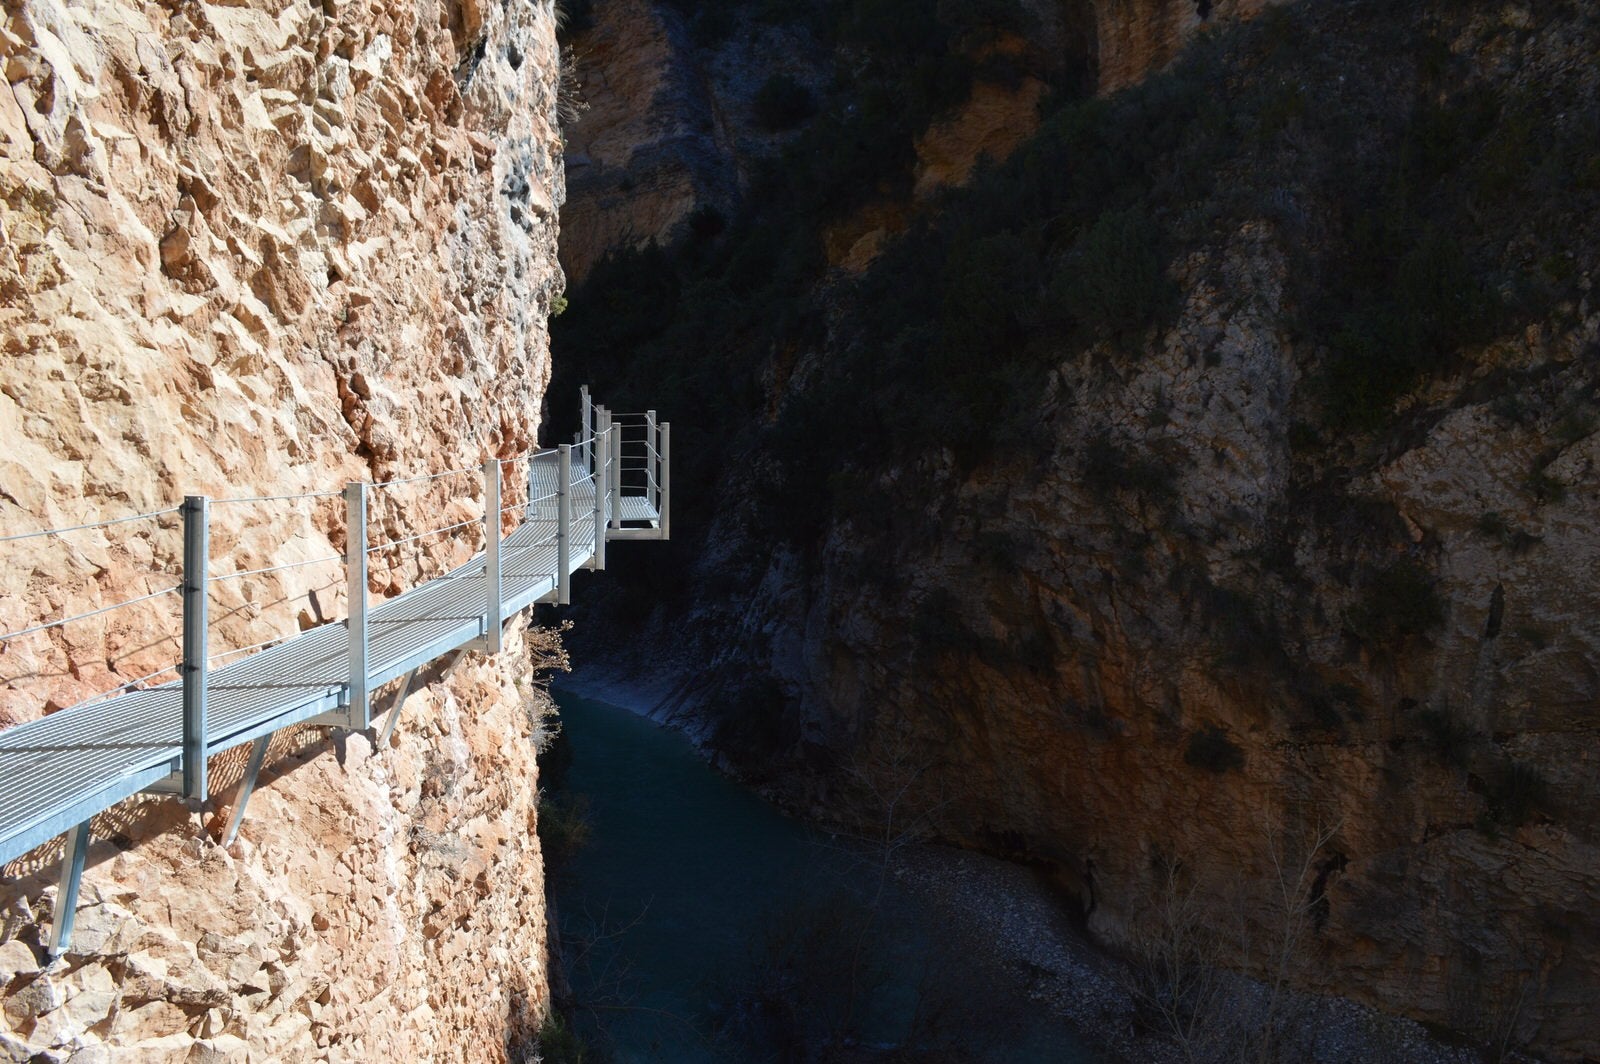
pixel 1010 912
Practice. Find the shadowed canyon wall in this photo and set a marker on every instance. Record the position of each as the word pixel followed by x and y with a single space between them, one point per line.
pixel 258 250
pixel 1215 479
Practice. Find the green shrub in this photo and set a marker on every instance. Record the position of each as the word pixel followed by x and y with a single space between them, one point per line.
pixel 1109 467
pixel 1407 326
pixel 1494 525
pixel 1449 737
pixel 782 103
pixel 559 1043
pixel 1513 796
pixel 1114 282
pixel 1211 749
pixel 1399 601
pixel 1545 486
pixel 564 827
pixel 991 288
pixel 1574 425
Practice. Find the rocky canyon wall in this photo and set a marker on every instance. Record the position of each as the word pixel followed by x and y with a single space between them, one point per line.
pixel 1186 619
pixel 667 115
pixel 260 250
pixel 1135 37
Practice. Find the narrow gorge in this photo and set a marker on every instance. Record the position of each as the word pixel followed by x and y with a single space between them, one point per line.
pixel 1135 568
pixel 1157 441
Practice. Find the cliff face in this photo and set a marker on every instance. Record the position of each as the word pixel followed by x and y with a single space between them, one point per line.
pixel 254 251
pixel 668 120
pixel 1209 494
pixel 1105 677
pixel 1137 36
pixel 646 148
pixel 285 248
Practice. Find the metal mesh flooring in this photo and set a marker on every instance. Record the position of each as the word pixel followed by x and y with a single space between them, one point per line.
pixel 61 770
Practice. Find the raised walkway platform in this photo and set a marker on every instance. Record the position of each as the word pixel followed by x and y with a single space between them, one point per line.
pixel 58 772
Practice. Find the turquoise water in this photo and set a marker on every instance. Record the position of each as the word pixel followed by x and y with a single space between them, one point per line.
pixel 698 924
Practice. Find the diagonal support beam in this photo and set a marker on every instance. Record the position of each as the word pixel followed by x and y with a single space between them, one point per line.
pixel 67 892
pixel 395 706
pixel 247 787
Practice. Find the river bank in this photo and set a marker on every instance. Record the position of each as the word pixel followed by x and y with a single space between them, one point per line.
pixel 1012 914
pixel 1002 925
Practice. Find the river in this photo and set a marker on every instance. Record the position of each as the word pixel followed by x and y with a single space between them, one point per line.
pixel 699 925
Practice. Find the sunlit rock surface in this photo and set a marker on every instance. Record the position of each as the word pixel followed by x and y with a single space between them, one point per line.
pixel 252 250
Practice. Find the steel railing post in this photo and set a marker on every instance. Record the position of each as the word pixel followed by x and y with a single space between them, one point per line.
pixel 196 560
pixel 355 565
pixel 601 516
pixel 587 434
pixel 614 476
pixel 564 526
pixel 491 552
pixel 666 480
pixel 651 451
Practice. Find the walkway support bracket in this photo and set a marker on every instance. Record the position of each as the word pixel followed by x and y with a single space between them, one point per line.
pixel 247 787
pixel 491 554
pixel 359 708
pixel 196 563
pixel 66 909
pixel 395 705
pixel 564 526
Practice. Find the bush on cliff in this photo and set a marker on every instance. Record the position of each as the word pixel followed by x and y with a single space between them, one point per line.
pixel 782 103
pixel 1399 601
pixel 1211 749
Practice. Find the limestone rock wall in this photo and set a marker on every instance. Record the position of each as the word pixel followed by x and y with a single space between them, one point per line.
pixel 1082 688
pixel 664 122
pixel 1135 37
pixel 643 150
pixel 257 250
pixel 252 250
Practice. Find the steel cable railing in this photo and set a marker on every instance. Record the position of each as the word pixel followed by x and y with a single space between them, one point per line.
pixel 91 613
pixel 227 655
pixel 422 535
pixel 423 478
pixel 152 515
pixel 278 498
pixel 275 568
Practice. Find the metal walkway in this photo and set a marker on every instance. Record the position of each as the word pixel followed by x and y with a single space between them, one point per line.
pixel 58 772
